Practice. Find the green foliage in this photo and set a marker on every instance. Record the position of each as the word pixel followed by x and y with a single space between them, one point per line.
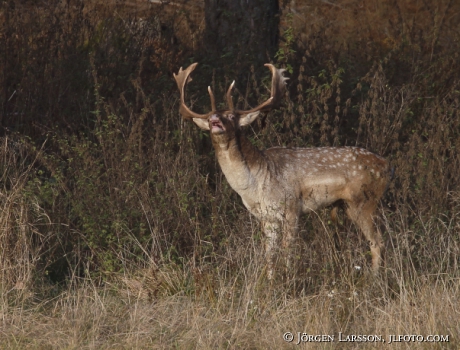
pixel 286 51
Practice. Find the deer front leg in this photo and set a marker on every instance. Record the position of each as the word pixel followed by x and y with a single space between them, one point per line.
pixel 271 232
pixel 289 233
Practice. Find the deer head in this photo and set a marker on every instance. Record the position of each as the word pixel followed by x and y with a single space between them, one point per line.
pixel 225 124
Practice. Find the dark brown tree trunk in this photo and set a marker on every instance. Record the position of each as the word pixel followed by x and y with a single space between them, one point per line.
pixel 245 31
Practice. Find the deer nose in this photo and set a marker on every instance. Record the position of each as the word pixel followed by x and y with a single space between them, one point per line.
pixel 214 118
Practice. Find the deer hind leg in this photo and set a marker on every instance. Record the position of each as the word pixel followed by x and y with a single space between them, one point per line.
pixel 271 232
pixel 362 215
pixel 334 216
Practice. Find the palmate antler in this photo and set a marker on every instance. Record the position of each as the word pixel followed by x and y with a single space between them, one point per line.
pixel 183 78
pixel 277 91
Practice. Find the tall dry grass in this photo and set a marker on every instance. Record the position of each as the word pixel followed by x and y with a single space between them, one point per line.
pixel 118 230
pixel 213 306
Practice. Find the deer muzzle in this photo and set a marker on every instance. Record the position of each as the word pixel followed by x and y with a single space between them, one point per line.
pixel 216 125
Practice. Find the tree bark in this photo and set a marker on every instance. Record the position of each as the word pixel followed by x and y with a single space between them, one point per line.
pixel 245 31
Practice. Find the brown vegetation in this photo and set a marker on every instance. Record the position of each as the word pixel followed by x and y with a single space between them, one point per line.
pixel 118 230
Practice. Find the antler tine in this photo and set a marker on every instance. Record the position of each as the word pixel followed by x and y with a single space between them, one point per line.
pixel 277 90
pixel 213 101
pixel 229 96
pixel 182 78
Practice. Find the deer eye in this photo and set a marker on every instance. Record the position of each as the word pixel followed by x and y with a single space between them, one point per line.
pixel 231 116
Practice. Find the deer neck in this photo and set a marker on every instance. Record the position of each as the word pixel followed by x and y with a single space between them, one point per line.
pixel 240 162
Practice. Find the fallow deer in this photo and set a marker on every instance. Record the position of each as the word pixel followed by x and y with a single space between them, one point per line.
pixel 278 184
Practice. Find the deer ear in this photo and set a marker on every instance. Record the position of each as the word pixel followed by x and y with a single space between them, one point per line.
pixel 202 123
pixel 247 119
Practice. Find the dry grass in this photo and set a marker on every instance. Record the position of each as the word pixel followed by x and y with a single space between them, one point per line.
pixel 118 230
pixel 229 304
pixel 179 308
